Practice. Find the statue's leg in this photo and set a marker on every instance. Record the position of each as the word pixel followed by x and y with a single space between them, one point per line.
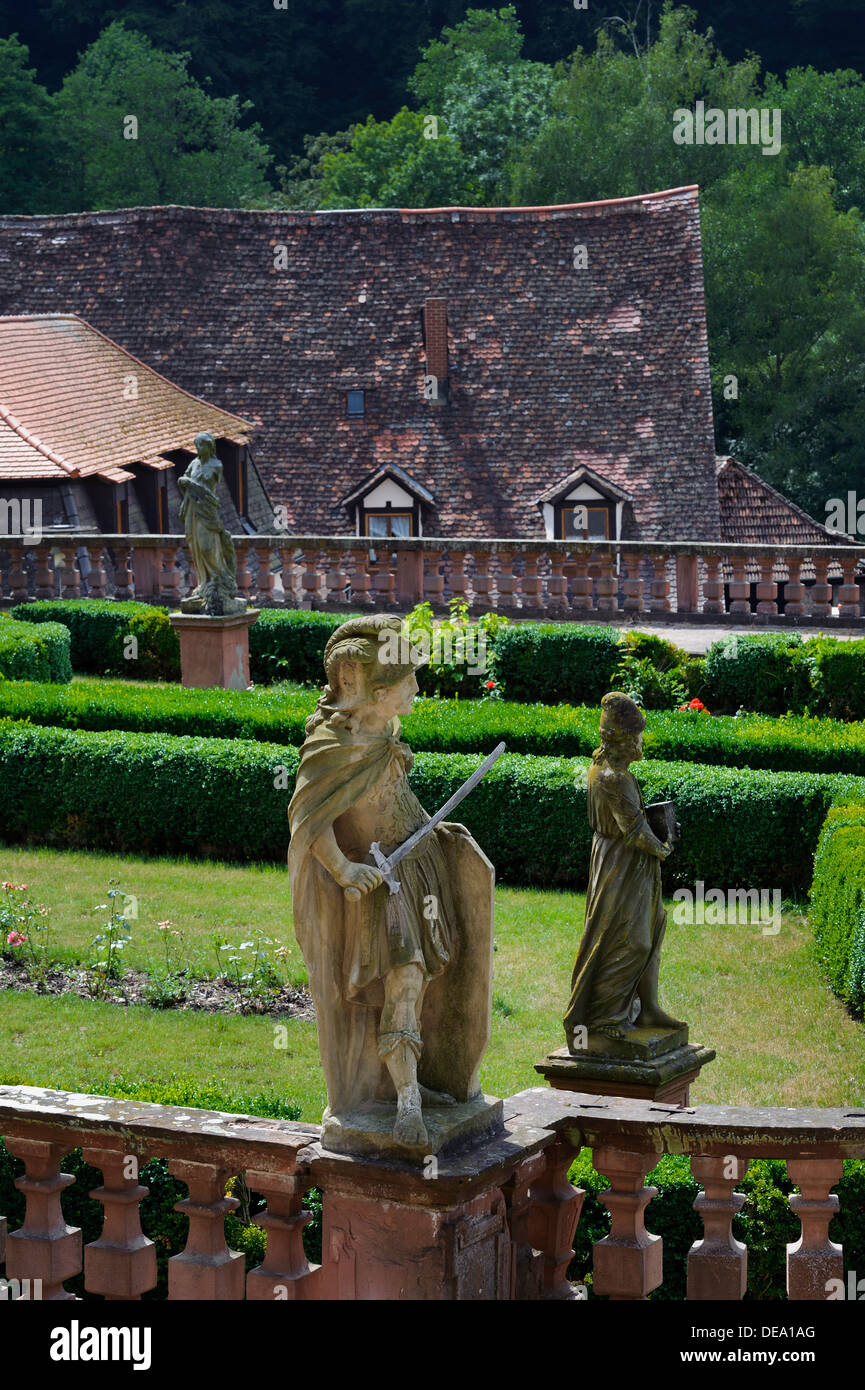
pixel 400 1046
pixel 651 1014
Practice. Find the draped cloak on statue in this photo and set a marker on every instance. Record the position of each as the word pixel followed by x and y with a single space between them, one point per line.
pixel 348 945
pixel 625 915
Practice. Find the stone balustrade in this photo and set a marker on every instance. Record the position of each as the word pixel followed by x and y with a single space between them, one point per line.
pixel 496 1220
pixel 578 580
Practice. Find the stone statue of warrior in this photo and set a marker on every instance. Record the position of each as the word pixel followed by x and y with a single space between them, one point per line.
pixel 615 979
pixel 209 543
pixel 401 980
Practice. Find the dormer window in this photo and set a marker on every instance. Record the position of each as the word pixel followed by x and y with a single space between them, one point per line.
pixel 354 404
pixel 389 503
pixel 583 506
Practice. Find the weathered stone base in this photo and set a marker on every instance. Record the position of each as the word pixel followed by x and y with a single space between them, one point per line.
pixel 648 1073
pixel 370 1131
pixel 214 652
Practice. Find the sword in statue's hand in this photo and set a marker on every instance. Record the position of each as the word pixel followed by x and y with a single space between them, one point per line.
pixel 387 863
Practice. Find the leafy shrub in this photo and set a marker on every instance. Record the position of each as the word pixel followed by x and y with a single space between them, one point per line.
pixel 459 648
pixel 288 644
pixel 838 902
pixel 651 688
pixel 221 798
pixel 837 677
pixel 101 630
pixel 34 654
pixel 767 672
pixel 163 1225
pixel 556 662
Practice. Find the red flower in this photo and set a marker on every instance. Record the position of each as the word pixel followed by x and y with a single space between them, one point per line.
pixel 490 685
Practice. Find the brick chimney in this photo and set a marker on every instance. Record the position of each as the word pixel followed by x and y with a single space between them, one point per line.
pixel 435 333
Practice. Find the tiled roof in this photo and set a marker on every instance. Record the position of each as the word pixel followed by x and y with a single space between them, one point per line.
pixel 275 315
pixel 73 403
pixel 753 513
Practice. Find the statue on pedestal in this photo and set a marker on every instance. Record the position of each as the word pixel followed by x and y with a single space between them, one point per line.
pixel 400 971
pixel 614 989
pixel 209 543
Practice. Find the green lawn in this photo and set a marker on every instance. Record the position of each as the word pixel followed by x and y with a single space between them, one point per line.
pixel 781 1036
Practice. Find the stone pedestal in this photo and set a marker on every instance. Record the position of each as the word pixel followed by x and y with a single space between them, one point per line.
pixel 214 652
pixel 449 1230
pixel 654 1064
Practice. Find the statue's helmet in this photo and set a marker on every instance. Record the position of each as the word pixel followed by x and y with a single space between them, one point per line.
pixel 378 644
pixel 621 717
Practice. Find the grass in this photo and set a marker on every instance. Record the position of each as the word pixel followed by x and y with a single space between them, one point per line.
pixel 782 1038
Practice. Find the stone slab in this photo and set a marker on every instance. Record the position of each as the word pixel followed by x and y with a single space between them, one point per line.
pixel 642 1045
pixel 369 1131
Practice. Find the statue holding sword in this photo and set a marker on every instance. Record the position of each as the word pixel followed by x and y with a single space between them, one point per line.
pixel 392 908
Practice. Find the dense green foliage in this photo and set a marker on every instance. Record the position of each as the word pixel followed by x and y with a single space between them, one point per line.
pixel 112 638
pixel 776 672
pixel 765 1224
pixel 556 661
pixel 277 715
pixel 838 901
pixel 228 799
pixel 28 654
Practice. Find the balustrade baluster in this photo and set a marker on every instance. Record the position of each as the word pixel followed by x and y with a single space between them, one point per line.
pixel 358 569
pixel 121 1264
pixel 660 585
pixel 555 1210
pixel 632 586
pixel 582 581
pixel 767 589
pixel 458 573
pixel 243 576
pixel 526 1262
pixel 531 582
pixel 506 582
pixel 44 1247
pixel 285 1263
pixel 821 590
pixel 265 581
pixel 718 1264
pixel 740 586
pixel 627 1262
pixel 608 584
pixel 70 579
pixel 97 579
pixel 206 1268
pixel 813 1260
pixel 124 581
pixel 713 586
pixel 44 577
pixel 288 574
pixel 336 579
pixel 18 573
pixel 310 579
pixel 557 584
pixel 794 589
pixel 849 600
pixel 169 576
pixel 433 579
pixel 481 582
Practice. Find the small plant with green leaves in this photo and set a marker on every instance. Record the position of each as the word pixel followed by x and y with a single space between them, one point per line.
pixel 26 932
pixel 166 985
pixel 253 967
pixel 109 944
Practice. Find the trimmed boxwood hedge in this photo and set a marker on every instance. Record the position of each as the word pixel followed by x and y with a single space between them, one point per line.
pixel 100 629
pixel 556 662
pixel 34 654
pixel 276 715
pixel 227 799
pixel 838 901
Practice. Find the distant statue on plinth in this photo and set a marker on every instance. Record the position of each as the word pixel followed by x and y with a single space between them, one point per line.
pixel 209 543
pixel 392 910
pixel 614 989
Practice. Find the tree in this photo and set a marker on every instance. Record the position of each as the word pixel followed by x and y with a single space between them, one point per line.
pixel 823 123
pixel 397 163
pixel 491 35
pixel 139 130
pixel 785 288
pixel 28 145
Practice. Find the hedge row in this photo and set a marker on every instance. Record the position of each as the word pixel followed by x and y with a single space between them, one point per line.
pixel 793 744
pixel 121 639
pixel 227 799
pixel 776 672
pixel 34 654
pixel 838 902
